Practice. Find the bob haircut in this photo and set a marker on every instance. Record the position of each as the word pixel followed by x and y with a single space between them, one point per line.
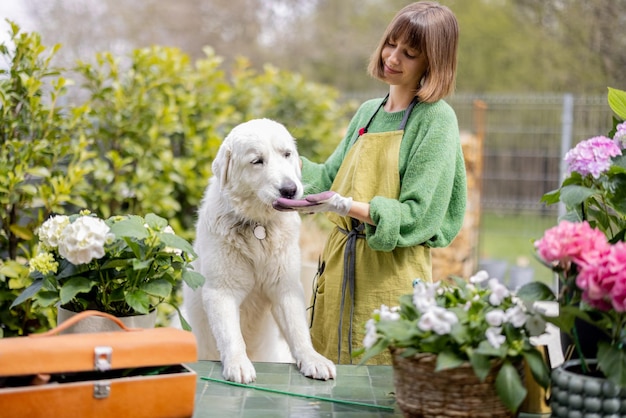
pixel 430 29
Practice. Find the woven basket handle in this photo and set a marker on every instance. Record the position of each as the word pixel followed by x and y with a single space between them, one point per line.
pixel 79 317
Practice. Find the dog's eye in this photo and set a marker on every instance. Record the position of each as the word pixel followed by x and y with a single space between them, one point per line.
pixel 258 161
pixel 287 154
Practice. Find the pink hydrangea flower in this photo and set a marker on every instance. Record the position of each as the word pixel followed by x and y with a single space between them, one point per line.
pixel 603 280
pixel 571 242
pixel 592 156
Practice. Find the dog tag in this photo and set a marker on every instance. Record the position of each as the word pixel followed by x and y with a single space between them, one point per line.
pixel 259 232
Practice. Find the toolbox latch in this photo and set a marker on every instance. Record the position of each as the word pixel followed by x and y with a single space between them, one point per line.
pixel 102 389
pixel 102 358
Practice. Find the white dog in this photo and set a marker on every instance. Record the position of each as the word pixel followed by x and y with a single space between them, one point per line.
pixel 249 254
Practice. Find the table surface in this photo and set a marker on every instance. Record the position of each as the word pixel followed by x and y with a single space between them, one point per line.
pixel 282 391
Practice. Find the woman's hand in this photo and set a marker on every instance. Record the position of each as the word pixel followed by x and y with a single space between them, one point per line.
pixel 328 201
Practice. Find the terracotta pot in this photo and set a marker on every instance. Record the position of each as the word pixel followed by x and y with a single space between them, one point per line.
pixel 101 324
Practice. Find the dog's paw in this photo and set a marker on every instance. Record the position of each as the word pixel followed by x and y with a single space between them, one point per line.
pixel 241 371
pixel 317 366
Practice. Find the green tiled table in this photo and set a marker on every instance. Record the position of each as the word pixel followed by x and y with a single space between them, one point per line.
pixel 371 385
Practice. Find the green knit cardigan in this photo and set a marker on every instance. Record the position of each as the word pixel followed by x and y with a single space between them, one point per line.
pixel 433 193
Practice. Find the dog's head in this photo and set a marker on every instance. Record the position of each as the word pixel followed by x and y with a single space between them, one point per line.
pixel 257 163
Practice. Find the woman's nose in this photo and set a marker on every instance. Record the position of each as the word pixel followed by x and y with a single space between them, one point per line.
pixel 393 57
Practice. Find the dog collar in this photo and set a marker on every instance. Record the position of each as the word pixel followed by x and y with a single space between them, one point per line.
pixel 259 232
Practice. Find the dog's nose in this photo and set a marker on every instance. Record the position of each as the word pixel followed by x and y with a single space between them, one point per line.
pixel 288 190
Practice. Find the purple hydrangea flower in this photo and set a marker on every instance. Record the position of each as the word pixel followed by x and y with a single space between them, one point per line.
pixel 620 135
pixel 592 156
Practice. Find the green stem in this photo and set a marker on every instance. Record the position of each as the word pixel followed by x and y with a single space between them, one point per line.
pixel 568 297
pixel 583 361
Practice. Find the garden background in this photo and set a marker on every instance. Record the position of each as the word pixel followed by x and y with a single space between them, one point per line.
pixel 125 111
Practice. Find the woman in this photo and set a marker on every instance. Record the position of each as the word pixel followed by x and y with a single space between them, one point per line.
pixel 394 187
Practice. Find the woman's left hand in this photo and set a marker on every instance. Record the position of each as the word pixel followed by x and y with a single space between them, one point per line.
pixel 328 201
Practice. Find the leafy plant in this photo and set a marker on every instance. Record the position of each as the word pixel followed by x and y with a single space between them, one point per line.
pixel 42 164
pixel 124 266
pixel 464 323
pixel 595 190
pixel 586 249
pixel 154 122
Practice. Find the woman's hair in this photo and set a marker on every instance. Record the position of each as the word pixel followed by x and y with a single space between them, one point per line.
pixel 432 30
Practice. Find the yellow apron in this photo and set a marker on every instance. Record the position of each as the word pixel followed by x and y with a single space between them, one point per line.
pixel 353 279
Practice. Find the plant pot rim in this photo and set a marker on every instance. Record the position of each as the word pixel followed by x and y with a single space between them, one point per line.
pixel 152 312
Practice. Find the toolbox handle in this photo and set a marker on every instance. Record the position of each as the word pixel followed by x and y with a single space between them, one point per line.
pixel 79 317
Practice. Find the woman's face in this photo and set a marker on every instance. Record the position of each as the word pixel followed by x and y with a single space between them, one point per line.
pixel 404 66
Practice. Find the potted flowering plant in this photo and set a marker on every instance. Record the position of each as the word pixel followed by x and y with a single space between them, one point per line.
pixel 124 265
pixel 479 326
pixel 586 250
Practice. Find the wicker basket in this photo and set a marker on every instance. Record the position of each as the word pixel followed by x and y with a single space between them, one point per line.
pixel 423 393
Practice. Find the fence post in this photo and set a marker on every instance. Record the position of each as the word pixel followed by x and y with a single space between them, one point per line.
pixel 567 123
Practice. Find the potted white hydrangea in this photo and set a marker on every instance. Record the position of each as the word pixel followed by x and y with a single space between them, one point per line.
pixel 124 265
pixel 458 348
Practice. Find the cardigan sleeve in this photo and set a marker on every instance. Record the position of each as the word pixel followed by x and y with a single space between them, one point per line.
pixel 431 205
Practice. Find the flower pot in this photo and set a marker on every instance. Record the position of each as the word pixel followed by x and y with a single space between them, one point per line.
pixel 577 395
pixel 102 324
pixel 589 336
pixel 422 392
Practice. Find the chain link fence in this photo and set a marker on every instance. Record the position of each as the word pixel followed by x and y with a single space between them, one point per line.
pixel 525 139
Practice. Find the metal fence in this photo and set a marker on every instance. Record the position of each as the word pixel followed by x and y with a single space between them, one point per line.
pixel 525 139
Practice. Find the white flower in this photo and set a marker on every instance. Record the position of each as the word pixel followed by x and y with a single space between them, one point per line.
pixel 83 240
pixel 424 296
pixel 370 334
pixel 498 292
pixel 479 277
pixel 495 337
pixel 50 231
pixel 438 320
pixel 495 318
pixel 516 316
pixel 536 325
pixel 387 314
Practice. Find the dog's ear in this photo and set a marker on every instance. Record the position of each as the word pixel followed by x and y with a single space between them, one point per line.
pixel 221 164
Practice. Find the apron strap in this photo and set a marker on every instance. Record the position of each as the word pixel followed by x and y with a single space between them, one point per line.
pixel 349 256
pixel 407 113
pixel 364 129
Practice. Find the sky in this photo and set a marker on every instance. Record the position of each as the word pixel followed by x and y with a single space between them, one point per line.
pixel 13 10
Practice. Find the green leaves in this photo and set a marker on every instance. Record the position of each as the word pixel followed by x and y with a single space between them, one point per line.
pixel 538 367
pixel 193 279
pixel 509 386
pixel 535 291
pixel 612 362
pixel 131 226
pixel 73 287
pixel 617 101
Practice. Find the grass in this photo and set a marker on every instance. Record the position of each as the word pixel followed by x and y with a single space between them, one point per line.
pixel 510 238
